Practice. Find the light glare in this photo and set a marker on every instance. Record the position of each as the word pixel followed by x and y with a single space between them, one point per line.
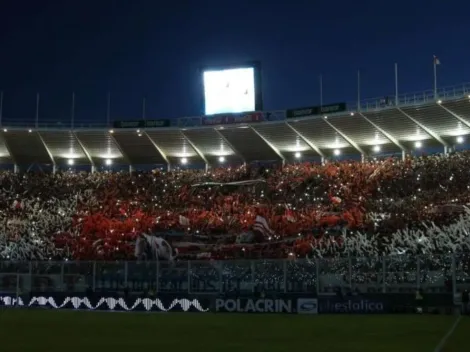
pixel 229 91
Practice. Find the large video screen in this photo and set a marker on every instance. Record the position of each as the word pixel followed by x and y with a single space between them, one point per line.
pixel 230 90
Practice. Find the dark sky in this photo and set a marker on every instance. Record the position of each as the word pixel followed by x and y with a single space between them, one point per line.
pixel 154 48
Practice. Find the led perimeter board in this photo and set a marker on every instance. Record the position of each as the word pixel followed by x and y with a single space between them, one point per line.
pixel 231 89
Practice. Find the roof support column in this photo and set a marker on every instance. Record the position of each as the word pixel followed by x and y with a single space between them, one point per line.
pixel 168 165
pixel 90 159
pixel 121 151
pixel 275 150
pixel 387 135
pixel 16 168
pixel 237 153
pixel 196 149
pixel 427 130
pixel 455 115
pixel 54 166
pixel 308 142
pixel 349 140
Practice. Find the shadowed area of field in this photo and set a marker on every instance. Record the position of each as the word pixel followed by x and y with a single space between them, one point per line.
pixel 59 331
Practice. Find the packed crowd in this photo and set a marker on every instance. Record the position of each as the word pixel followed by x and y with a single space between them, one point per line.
pixel 340 208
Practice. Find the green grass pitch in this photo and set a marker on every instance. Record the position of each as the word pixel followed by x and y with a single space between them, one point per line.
pixel 68 331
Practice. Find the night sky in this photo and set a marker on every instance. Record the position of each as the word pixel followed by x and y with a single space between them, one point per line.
pixel 149 48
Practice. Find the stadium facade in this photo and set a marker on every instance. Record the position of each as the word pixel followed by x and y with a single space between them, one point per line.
pixel 389 125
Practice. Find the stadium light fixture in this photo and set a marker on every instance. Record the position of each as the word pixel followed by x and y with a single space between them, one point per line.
pixel 184 161
pixel 459 139
pixel 337 152
pixel 70 161
pixel 376 148
pixel 298 155
pixel 221 159
pixel 108 162
pixel 418 144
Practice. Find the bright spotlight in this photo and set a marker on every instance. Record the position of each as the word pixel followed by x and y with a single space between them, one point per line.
pixel 337 152
pixel 376 148
pixel 108 162
pixel 298 155
pixel 70 161
pixel 221 159
pixel 184 161
pixel 459 139
pixel 439 101
pixel 352 114
pixel 5 130
pixel 418 144
pixel 30 131
pixel 111 131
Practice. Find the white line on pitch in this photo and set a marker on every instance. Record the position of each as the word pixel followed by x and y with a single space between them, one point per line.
pixel 442 343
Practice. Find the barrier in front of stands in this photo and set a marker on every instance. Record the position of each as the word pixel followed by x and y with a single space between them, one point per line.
pixel 364 275
pixel 60 301
pixel 286 304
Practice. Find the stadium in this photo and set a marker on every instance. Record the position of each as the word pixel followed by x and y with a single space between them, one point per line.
pixel 291 207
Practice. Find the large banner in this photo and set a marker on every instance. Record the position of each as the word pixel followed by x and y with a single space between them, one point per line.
pixel 141 124
pixel 316 110
pixel 226 119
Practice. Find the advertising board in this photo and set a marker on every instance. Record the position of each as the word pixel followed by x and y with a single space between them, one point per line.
pixel 353 305
pixel 233 118
pixel 316 110
pixel 307 306
pixel 141 124
pixel 249 305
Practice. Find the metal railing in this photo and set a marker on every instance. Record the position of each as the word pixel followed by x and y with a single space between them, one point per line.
pixel 398 273
pixel 373 104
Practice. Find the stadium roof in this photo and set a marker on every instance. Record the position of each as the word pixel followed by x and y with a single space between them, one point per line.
pixel 399 127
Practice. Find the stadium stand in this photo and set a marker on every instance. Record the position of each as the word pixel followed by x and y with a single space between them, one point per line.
pixel 395 200
pixel 377 207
